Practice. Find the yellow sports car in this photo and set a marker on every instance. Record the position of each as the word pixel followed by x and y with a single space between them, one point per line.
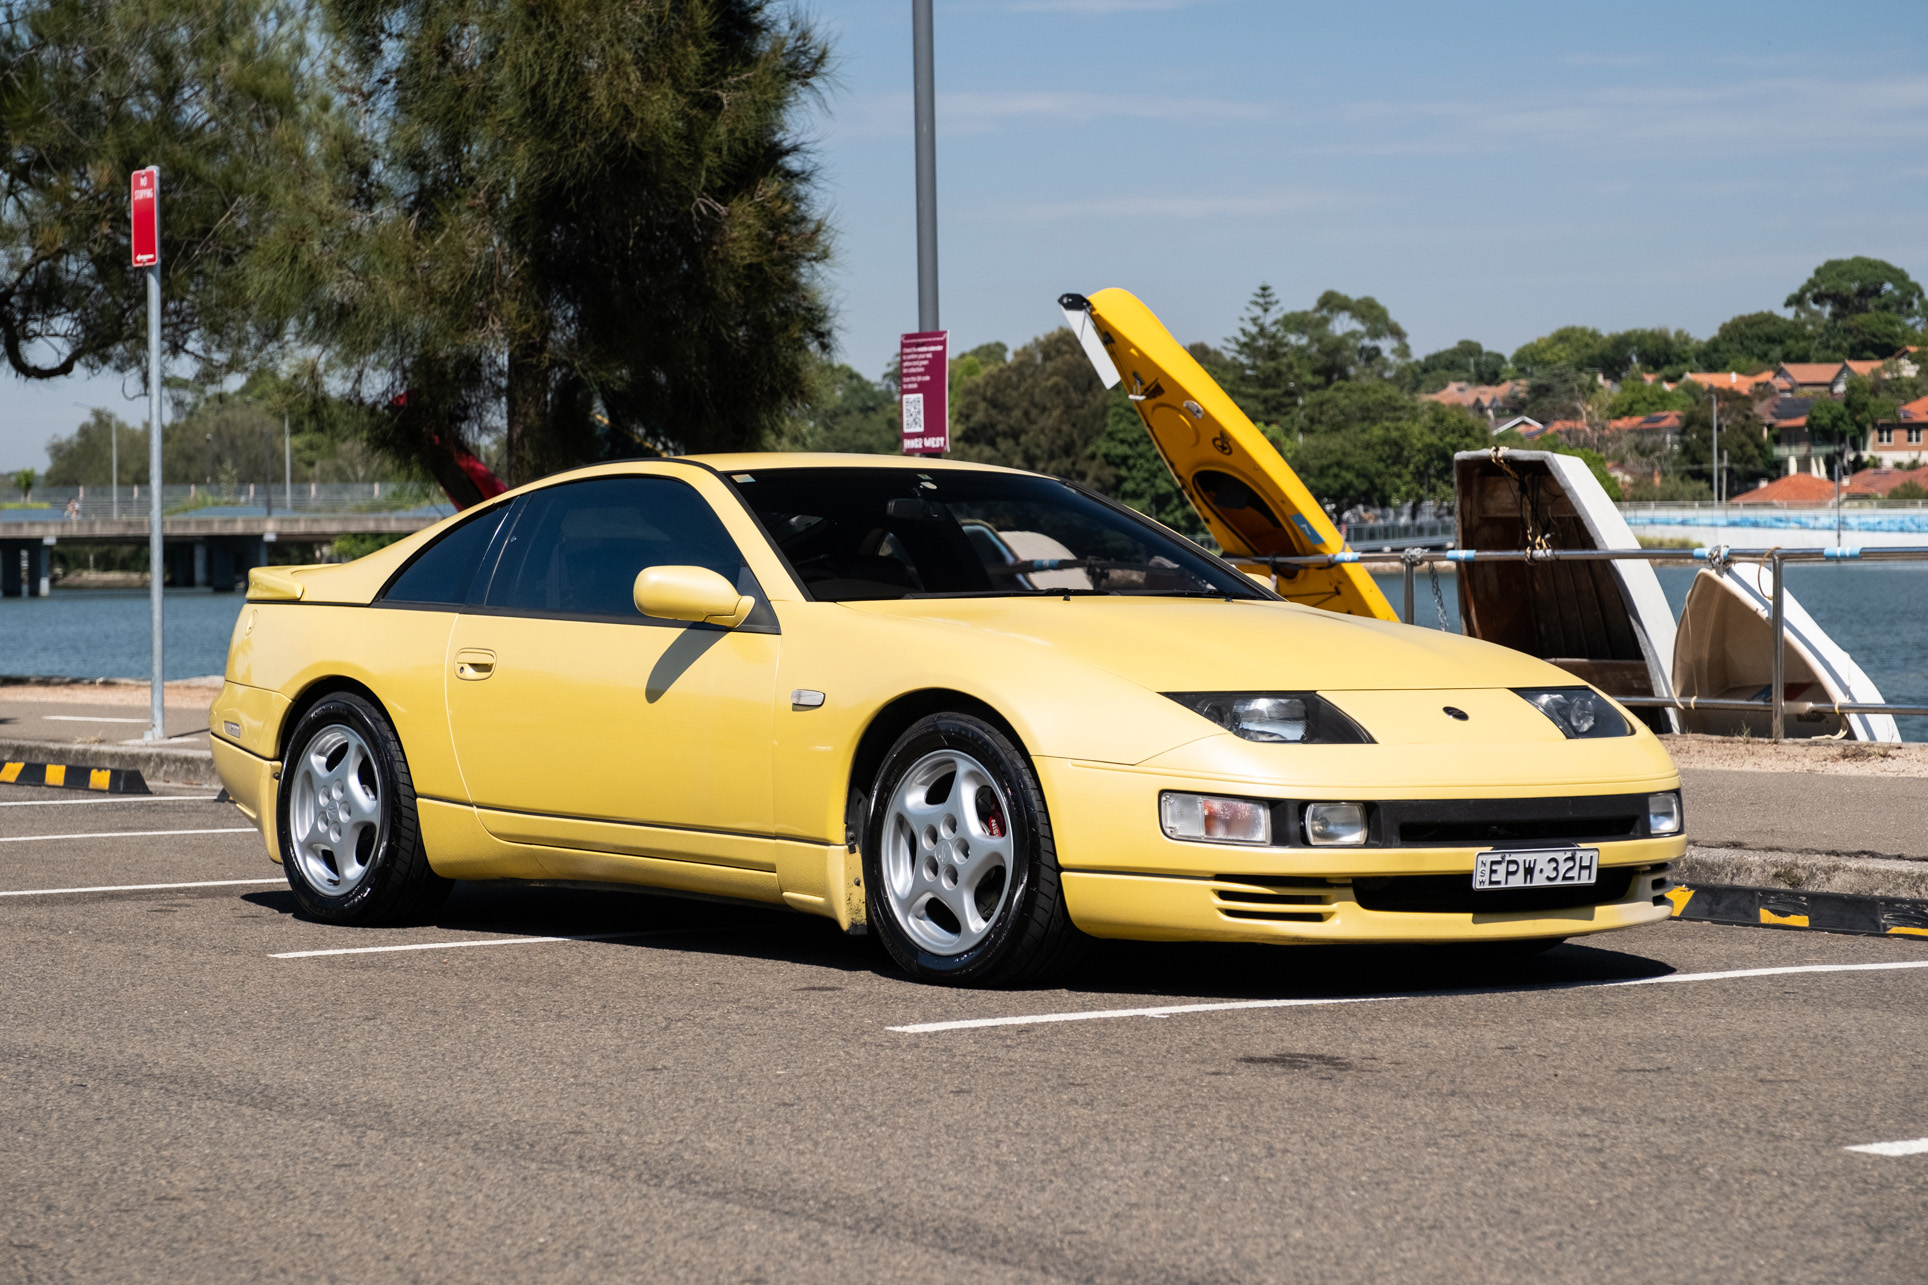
pixel 979 712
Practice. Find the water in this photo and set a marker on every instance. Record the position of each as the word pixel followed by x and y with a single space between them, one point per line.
pixel 1877 611
pixel 103 633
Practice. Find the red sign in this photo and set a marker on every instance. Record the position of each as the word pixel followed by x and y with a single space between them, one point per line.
pixel 924 401
pixel 147 217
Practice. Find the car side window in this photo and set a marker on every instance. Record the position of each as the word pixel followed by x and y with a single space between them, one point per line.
pixel 576 548
pixel 444 573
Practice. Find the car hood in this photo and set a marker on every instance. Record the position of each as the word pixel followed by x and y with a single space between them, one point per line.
pixel 1179 644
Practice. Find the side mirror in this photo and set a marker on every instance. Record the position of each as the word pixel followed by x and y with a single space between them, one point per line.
pixel 690 593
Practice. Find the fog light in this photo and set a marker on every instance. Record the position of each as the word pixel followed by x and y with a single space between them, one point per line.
pixel 1335 825
pixel 1215 819
pixel 1663 814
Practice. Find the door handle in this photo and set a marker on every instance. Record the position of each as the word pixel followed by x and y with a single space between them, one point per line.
pixel 474 664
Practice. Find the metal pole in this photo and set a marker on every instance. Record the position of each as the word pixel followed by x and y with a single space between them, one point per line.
pixel 1412 571
pixel 155 574
pixel 926 114
pixel 1714 453
pixel 287 467
pixel 113 460
pixel 1777 700
pixel 267 468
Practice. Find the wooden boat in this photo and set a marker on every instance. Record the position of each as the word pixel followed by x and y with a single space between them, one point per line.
pixel 1725 651
pixel 1606 623
pixel 1251 500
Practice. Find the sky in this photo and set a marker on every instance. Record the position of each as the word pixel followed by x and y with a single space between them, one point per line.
pixel 1486 170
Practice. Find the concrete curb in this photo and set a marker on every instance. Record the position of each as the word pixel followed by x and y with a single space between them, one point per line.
pixel 154 762
pixel 1804 872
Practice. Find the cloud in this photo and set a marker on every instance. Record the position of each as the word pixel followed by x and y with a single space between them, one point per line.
pixel 984 112
pixel 1797 120
pixel 1097 6
pixel 1163 207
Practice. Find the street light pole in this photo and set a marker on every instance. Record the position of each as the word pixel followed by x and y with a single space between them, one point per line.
pixel 926 123
pixel 145 216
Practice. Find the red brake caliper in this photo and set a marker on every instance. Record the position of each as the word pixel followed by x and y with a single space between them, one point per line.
pixel 988 814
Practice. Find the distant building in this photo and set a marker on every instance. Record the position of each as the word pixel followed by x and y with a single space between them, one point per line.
pixel 1795 488
pixel 1728 379
pixel 1881 481
pixel 1525 426
pixel 1490 400
pixel 1901 438
pixel 1664 425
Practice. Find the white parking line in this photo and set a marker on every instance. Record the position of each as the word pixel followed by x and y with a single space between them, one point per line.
pixel 137 887
pixel 488 941
pixel 112 798
pixel 86 718
pixel 124 834
pixel 1912 1147
pixel 1167 1010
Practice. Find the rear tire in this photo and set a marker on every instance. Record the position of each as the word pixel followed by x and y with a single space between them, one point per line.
pixel 351 842
pixel 961 877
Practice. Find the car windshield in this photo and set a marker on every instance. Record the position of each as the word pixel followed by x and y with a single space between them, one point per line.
pixel 869 533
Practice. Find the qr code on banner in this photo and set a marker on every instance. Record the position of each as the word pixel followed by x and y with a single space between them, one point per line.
pixel 913 414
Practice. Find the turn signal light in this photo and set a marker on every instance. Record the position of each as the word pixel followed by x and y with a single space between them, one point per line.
pixel 1215 819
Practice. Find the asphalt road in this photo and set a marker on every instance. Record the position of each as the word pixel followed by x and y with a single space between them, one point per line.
pixel 1807 812
pixel 728 1094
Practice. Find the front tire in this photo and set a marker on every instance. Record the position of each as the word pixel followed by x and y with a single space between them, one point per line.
pixel 960 872
pixel 351 843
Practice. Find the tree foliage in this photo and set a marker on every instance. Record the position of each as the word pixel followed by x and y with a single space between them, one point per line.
pixel 1042 410
pixel 1843 288
pixel 221 95
pixel 595 216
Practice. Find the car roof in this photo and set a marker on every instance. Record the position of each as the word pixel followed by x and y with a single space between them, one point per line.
pixel 749 461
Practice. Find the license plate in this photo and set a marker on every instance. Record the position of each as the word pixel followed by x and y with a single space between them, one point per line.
pixel 1542 869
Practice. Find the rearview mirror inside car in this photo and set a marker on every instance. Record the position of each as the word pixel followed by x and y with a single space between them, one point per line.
pixel 691 593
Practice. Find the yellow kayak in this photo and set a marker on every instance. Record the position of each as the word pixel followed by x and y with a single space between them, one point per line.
pixel 1253 503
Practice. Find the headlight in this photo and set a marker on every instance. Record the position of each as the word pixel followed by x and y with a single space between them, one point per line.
pixel 1215 818
pixel 1335 825
pixel 1663 814
pixel 1280 718
pixel 1580 712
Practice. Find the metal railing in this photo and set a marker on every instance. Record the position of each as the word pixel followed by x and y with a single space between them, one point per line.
pixel 1777 704
pixel 254 499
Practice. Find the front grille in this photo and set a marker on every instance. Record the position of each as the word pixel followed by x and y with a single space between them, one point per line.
pixel 1454 894
pixel 1466 823
pixel 1280 899
pixel 1469 833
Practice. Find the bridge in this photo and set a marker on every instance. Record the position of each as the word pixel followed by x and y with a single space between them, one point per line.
pixel 205 541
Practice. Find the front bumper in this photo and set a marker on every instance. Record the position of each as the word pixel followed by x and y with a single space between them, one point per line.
pixel 1124 878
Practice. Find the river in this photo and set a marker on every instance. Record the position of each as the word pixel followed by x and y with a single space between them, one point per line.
pixel 1877 611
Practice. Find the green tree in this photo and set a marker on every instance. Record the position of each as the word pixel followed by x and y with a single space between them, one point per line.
pixel 593 221
pixel 1577 347
pixel 1637 397
pixel 1842 288
pixel 1340 337
pixel 1139 475
pixel 23 481
pixel 1743 441
pixel 221 95
pixel 1042 410
pixel 1757 341
pixel 1909 490
pixel 86 456
pixel 1267 375
pixel 1468 359
pixel 1391 462
pixel 1559 392
pixel 1831 426
pixel 845 412
pixel 1656 349
pixel 1357 403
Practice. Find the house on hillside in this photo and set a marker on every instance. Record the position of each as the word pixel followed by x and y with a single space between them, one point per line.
pixel 1812 378
pixel 1663 427
pixel 1728 379
pixel 1796 488
pixel 1901 438
pixel 1490 400
pixel 1881 482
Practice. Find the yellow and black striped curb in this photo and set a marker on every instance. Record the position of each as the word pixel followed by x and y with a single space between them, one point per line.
pixel 1829 912
pixel 69 776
